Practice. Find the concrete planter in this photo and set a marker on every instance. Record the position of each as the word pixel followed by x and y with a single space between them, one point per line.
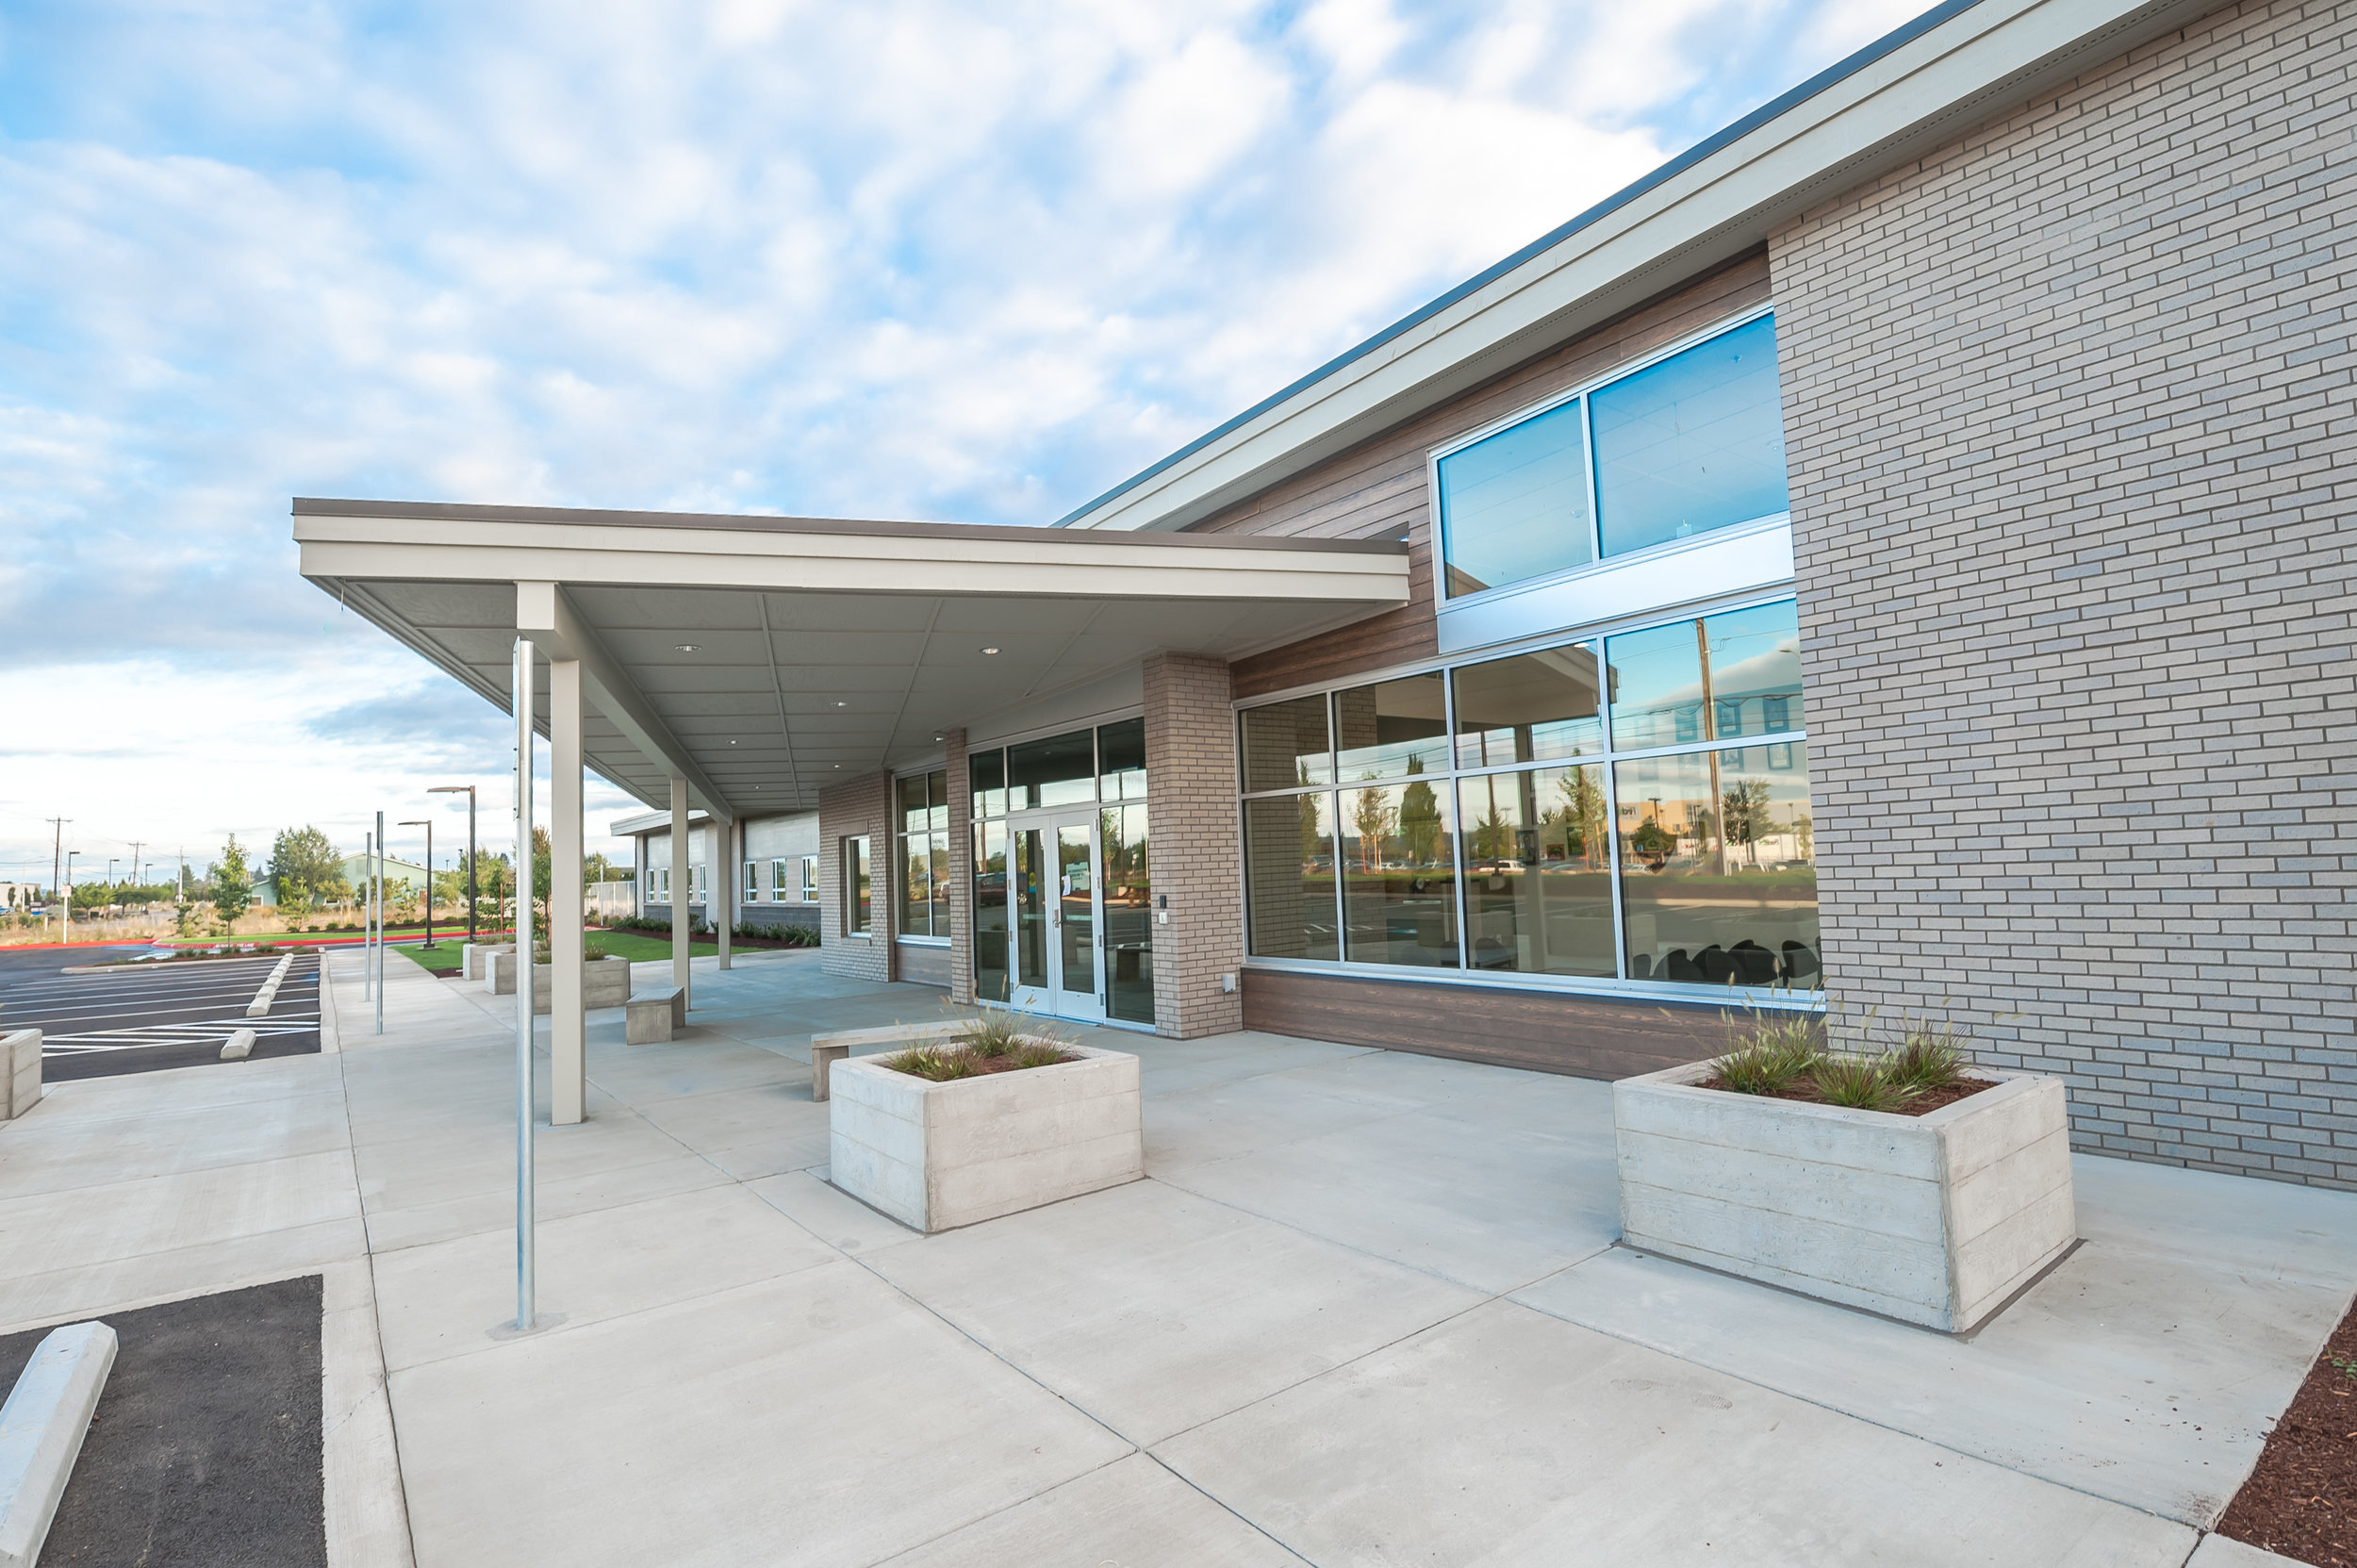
pixel 1934 1219
pixel 471 956
pixel 19 1072
pixel 936 1156
pixel 604 982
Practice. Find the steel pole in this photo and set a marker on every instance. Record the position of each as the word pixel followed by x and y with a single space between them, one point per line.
pixel 521 685
pixel 380 923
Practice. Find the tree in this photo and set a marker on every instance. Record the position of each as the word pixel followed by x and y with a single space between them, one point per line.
pixel 1745 810
pixel 1583 809
pixel 1420 820
pixel 307 870
pixel 1372 816
pixel 233 886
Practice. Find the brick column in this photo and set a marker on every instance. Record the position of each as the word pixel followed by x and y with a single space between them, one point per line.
pixel 862 804
pixel 960 872
pixel 1191 824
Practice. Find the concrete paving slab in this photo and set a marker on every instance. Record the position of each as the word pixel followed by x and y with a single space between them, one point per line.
pixel 1492 1209
pixel 443 1299
pixel 1223 1120
pixel 41 1232
pixel 840 1220
pixel 558 1197
pixel 1508 1438
pixel 1153 1310
pixel 750 1116
pixel 822 1418
pixel 91 1289
pixel 2151 1385
pixel 2271 1228
pixel 51 1154
pixel 1132 1513
pixel 644 1074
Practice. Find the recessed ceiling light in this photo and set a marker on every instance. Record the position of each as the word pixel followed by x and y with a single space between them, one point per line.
pixel 843 704
pixel 732 743
pixel 688 647
pixel 990 651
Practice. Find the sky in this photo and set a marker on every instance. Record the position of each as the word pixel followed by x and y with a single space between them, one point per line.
pixel 897 260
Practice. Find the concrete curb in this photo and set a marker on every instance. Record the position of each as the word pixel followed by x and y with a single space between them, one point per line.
pixel 42 1429
pixel 239 1045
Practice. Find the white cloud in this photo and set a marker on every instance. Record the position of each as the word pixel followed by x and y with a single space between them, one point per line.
pixel 901 259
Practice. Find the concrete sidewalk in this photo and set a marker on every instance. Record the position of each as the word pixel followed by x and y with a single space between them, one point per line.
pixel 1366 1309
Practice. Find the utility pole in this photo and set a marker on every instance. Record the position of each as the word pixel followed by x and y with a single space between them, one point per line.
pixel 57 861
pixel 137 845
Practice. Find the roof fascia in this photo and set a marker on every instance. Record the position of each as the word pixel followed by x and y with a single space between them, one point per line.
pixel 1941 73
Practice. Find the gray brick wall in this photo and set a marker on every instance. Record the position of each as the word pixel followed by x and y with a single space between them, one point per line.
pixel 2075 456
pixel 1191 829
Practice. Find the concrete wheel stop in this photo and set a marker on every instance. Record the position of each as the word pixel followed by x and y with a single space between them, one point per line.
pixel 42 1429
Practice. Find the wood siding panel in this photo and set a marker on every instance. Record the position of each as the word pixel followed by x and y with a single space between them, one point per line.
pixel 1377 490
pixel 1577 1037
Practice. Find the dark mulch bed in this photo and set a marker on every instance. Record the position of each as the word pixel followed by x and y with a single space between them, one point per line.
pixel 206 1447
pixel 2301 1500
pixel 1924 1104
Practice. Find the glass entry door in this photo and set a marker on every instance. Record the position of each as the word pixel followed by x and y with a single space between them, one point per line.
pixel 1059 917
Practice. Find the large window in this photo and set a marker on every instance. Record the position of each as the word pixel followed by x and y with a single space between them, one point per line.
pixel 1634 807
pixel 1690 443
pixel 921 833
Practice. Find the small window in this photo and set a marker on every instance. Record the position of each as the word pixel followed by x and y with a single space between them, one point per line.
pixel 751 885
pixel 1392 729
pixel 1286 745
pixel 1121 761
pixel 782 888
pixel 858 904
pixel 1693 444
pixel 1514 505
pixel 808 881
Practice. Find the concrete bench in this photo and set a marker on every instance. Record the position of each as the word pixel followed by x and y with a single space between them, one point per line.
pixel 471 955
pixel 827 1049
pixel 653 1018
pixel 20 1073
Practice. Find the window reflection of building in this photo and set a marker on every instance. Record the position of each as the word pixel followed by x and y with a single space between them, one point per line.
pixel 1662 844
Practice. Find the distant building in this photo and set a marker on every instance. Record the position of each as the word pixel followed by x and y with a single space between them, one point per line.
pixel 776 879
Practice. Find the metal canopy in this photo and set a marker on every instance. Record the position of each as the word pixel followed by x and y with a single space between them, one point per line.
pixel 764 658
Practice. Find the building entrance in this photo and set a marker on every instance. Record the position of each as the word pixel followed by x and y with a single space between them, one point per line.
pixel 1058 914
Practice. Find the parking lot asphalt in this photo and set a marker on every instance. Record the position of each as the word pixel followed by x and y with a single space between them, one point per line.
pixel 145 1018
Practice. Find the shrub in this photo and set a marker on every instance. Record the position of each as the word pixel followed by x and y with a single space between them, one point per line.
pixel 934 1063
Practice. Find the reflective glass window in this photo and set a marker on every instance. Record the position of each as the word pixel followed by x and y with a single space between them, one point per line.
pixel 1285 745
pixel 1121 759
pixel 989 911
pixel 986 771
pixel 1058 772
pixel 1538 872
pixel 1128 914
pixel 1533 707
pixel 1289 876
pixel 1399 875
pixel 1514 505
pixel 1719 868
pixel 859 902
pixel 1754 670
pixel 1392 729
pixel 1656 685
pixel 1693 444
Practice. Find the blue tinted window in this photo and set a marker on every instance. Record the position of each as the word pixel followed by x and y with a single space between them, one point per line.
pixel 1515 505
pixel 1693 444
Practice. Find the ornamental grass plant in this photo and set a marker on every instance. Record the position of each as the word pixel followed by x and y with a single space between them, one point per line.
pixel 989 1040
pixel 1788 1057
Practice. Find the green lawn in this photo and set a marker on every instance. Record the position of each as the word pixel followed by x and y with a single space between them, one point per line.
pixel 446 955
pixel 637 946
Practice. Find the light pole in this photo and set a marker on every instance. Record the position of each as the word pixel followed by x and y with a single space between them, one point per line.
pixel 427 824
pixel 452 789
